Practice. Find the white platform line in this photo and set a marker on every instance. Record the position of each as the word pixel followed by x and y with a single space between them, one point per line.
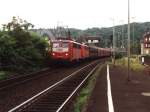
pixel 109 96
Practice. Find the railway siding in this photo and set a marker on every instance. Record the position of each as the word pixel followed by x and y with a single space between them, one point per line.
pixel 12 81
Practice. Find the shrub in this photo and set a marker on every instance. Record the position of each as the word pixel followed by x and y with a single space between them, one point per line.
pixel 20 49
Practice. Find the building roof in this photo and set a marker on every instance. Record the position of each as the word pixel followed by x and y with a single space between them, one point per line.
pixel 92 38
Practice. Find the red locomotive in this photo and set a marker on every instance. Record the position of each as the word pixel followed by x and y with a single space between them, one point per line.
pixel 69 50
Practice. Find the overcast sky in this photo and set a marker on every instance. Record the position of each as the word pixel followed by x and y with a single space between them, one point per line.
pixel 80 14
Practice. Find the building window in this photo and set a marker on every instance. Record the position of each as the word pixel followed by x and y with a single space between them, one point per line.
pixel 89 41
pixel 147 51
pixel 145 45
pixel 146 39
pixel 95 41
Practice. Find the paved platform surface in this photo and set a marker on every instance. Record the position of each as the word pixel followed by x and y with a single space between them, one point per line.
pixel 132 96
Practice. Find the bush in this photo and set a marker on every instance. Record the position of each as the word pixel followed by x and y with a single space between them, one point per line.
pixel 135 63
pixel 20 49
pixel 3 75
pixel 118 55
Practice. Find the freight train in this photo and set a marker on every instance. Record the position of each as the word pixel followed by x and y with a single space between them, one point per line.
pixel 69 50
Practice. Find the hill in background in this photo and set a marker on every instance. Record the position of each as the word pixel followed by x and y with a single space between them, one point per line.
pixel 137 31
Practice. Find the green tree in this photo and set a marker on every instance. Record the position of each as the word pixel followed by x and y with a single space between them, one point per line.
pixel 20 49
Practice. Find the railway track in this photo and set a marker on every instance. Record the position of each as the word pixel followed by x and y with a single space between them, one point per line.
pixel 57 97
pixel 5 84
pixel 20 79
pixel 17 93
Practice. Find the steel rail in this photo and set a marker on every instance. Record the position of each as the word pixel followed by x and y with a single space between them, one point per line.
pixel 76 89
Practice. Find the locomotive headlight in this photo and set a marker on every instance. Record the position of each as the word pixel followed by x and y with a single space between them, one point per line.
pixel 66 54
pixel 53 54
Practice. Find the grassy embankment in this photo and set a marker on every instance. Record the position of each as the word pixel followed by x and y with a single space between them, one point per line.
pixel 135 63
pixel 3 75
pixel 86 91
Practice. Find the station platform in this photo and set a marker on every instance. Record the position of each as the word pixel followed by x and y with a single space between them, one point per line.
pixel 126 96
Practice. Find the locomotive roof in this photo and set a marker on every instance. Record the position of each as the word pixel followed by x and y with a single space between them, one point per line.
pixel 67 41
pixel 95 47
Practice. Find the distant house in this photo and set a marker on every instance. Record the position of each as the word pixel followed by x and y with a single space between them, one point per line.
pixel 90 40
pixel 145 44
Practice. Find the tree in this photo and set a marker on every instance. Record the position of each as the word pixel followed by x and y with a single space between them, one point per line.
pixel 20 49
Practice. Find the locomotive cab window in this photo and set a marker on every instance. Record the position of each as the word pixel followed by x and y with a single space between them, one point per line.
pixel 65 45
pixel 55 45
pixel 78 46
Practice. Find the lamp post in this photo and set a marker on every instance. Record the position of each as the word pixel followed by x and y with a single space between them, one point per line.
pixel 118 43
pixel 122 34
pixel 128 77
pixel 114 41
pixel 133 36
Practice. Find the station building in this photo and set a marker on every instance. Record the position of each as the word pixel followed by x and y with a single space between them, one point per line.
pixel 145 44
pixel 90 40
